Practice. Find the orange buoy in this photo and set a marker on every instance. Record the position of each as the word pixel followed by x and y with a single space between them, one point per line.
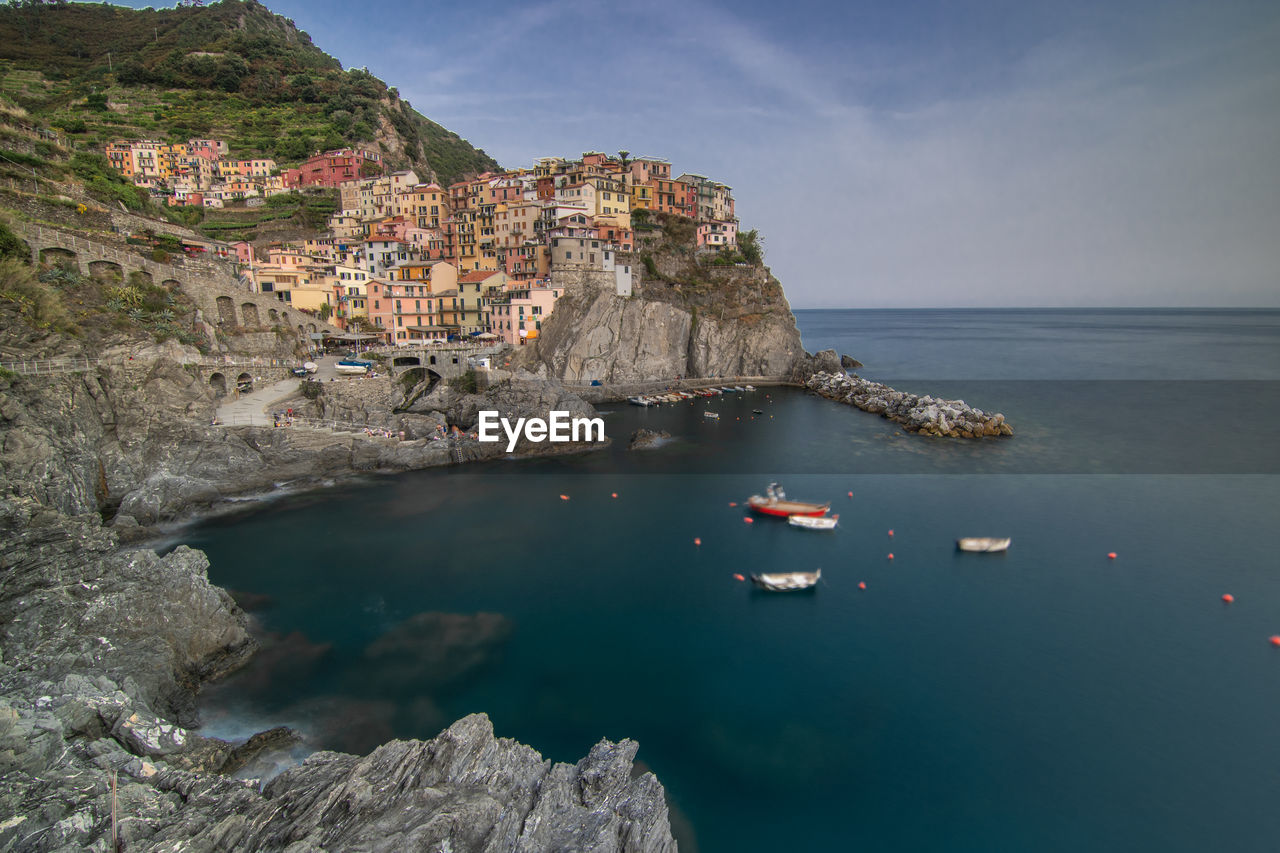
pixel 1275 640
pixel 890 555
pixel 733 503
pixel 564 497
pixel 890 533
pixel 851 494
pixel 1111 555
pixel 862 584
pixel 1228 598
pixel 738 577
pixel 697 541
pixel 613 494
pixel 748 519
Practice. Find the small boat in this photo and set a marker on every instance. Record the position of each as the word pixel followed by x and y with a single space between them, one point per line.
pixel 757 411
pixel 310 366
pixel 749 387
pixel 739 388
pixel 810 522
pixel 786 581
pixel 351 369
pixel 983 545
pixel 775 503
pixel 639 401
pixel 715 416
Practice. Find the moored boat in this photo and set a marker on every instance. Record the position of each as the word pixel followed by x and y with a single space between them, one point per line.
pixel 715 416
pixel 983 544
pixel 810 522
pixel 786 581
pixel 350 369
pixel 775 503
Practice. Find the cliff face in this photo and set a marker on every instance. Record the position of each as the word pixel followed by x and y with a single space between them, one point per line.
pixel 687 316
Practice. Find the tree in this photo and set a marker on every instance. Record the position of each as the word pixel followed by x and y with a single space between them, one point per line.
pixel 751 245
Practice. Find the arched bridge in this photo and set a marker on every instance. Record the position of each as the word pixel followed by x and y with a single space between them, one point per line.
pixel 221 295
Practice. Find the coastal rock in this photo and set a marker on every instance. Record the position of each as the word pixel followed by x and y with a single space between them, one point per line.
pixel 647 439
pixel 922 415
pixel 110 643
pixel 663 331
pixel 848 362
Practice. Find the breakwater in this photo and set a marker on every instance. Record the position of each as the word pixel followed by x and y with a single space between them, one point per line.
pixel 917 413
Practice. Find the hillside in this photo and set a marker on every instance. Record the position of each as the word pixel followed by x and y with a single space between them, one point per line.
pixel 231 70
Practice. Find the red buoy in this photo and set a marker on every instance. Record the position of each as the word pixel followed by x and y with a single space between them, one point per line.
pixel 1228 598
pixel 891 533
pixel 1275 640
pixel 748 519
pixel 890 555
pixel 733 503
pixel 862 584
pixel 1111 555
pixel 697 541
pixel 739 577
pixel 851 494
pixel 564 497
pixel 613 495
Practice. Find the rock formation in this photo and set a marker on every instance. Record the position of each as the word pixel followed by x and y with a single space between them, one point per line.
pixel 919 414
pixel 102 654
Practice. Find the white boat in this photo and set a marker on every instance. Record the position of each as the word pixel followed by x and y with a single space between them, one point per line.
pixel 810 522
pixel 639 401
pixel 749 387
pixel 713 415
pixel 984 545
pixel 786 581
pixel 350 369
pixel 310 366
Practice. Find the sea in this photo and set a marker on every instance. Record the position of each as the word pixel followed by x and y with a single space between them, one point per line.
pixel 1089 689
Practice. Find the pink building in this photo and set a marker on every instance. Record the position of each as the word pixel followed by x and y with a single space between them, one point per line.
pixel 334 167
pixel 519 319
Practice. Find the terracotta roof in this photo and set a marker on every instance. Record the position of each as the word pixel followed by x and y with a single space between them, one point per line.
pixel 476 275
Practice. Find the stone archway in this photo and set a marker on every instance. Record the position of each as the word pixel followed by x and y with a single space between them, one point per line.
pixel 55 256
pixel 249 312
pixel 141 277
pixel 244 383
pixel 406 360
pixel 106 270
pixel 171 283
pixel 219 384
pixel 273 315
pixel 311 327
pixel 226 311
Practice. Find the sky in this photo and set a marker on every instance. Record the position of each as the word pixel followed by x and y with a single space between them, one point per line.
pixel 939 153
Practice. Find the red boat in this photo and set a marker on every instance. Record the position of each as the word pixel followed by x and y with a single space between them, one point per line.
pixel 775 503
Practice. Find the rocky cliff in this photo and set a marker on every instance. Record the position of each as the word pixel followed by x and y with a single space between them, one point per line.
pixel 102 654
pixel 690 314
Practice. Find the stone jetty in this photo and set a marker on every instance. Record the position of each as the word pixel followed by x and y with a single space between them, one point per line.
pixel 917 413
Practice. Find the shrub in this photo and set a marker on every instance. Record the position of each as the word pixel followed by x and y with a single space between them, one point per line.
pixel 466 383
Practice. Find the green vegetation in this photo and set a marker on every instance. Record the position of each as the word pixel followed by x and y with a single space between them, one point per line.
pixel 466 383
pixel 232 70
pixel 38 304
pixel 13 246
pixel 309 210
pixel 751 246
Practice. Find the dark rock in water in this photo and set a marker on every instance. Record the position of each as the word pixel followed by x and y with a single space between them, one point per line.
pixel 848 362
pixel 825 361
pixel 646 439
pixel 252 601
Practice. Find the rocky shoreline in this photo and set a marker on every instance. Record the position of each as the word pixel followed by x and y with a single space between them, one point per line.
pixel 102 654
pixel 924 415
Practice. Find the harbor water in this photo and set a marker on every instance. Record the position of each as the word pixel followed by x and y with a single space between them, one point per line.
pixel 1048 698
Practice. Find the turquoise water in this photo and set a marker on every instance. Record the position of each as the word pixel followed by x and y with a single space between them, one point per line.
pixel 1046 699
